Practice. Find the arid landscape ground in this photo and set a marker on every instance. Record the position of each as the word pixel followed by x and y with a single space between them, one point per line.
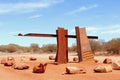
pixel 56 72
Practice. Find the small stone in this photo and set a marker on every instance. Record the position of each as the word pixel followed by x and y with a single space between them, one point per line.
pixel 96 61
pixel 3 60
pixel 75 59
pixel 75 70
pixel 33 58
pixel 107 61
pixel 9 63
pixel 10 59
pixel 103 69
pixel 116 65
pixel 21 66
pixel 51 57
pixel 40 68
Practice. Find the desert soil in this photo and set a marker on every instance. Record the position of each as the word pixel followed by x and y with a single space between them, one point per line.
pixel 56 72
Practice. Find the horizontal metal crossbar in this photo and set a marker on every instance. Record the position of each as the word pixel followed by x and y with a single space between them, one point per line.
pixel 53 35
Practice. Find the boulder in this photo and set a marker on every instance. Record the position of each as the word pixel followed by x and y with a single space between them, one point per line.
pixel 33 58
pixel 103 68
pixel 3 60
pixel 8 63
pixel 40 68
pixel 51 57
pixel 116 65
pixel 21 66
pixel 107 61
pixel 75 70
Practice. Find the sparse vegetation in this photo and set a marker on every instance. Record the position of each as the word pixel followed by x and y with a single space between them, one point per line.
pixel 99 46
pixel 73 48
pixel 110 47
pixel 113 46
pixel 34 48
pixel 95 45
pixel 49 48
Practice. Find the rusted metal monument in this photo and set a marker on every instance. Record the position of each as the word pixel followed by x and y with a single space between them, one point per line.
pixel 83 45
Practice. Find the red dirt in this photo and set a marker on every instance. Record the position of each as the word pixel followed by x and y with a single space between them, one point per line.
pixel 55 72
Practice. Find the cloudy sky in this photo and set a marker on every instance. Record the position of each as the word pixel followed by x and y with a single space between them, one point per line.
pixel 100 17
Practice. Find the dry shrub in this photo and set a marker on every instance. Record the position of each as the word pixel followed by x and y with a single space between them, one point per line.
pixel 49 48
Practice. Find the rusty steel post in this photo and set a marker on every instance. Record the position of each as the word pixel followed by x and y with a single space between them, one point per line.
pixel 62 46
pixel 83 45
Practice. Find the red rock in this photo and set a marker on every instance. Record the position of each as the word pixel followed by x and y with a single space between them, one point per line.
pixel 107 61
pixel 116 65
pixel 21 66
pixel 33 58
pixel 52 57
pixel 9 63
pixel 96 61
pixel 75 70
pixel 103 68
pixel 10 59
pixel 75 59
pixel 3 60
pixel 40 68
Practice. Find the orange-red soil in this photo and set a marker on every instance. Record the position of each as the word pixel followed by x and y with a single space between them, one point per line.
pixel 55 72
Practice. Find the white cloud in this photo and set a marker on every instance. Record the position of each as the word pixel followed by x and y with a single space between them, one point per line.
pixel 26 6
pixel 103 32
pixel 21 7
pixel 35 16
pixel 113 29
pixel 94 30
pixel 81 9
pixel 88 29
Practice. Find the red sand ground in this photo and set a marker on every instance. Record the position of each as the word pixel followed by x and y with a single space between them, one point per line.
pixel 56 72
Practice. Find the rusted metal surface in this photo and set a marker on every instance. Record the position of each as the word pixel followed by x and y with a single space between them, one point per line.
pixel 83 45
pixel 62 46
pixel 78 43
pixel 40 35
pixel 53 35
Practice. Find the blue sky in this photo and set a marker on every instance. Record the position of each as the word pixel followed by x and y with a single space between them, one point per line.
pixel 100 17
